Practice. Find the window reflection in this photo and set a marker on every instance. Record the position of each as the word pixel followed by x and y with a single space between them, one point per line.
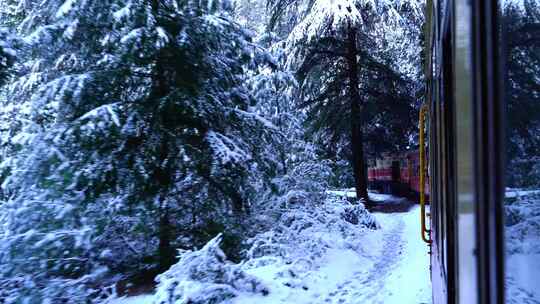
pixel 521 37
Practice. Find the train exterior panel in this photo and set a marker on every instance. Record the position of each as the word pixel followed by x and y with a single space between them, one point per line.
pixel 397 174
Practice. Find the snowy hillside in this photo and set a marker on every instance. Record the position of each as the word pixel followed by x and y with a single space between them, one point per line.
pixel 339 254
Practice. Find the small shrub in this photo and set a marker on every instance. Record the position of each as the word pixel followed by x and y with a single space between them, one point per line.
pixel 205 277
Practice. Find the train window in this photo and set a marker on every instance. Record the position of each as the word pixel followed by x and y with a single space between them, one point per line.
pixel 467 286
pixel 520 28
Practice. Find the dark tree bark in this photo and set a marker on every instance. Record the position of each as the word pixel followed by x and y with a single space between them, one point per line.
pixel 357 145
pixel 166 252
pixel 164 171
pixel 163 175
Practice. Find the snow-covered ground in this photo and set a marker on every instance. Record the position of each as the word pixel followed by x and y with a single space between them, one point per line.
pixel 388 265
pixel 142 299
pixel 375 197
pixel 395 269
pixel 522 233
pixel 515 192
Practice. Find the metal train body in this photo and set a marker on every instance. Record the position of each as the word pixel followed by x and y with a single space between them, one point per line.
pixel 466 151
pixel 397 174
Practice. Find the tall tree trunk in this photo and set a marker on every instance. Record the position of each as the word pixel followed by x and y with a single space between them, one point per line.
pixel 166 252
pixel 164 172
pixel 358 159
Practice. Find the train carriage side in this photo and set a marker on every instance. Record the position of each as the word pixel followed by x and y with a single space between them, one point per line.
pixel 466 151
pixel 397 174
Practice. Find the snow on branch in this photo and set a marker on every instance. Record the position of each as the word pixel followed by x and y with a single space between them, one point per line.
pixel 326 16
pixel 225 149
pixel 205 276
pixel 105 111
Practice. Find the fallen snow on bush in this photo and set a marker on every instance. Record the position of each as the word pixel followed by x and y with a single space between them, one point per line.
pixel 311 247
pixel 305 233
pixel 205 276
pixel 522 221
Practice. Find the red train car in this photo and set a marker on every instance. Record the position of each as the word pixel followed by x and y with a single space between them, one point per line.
pixel 396 174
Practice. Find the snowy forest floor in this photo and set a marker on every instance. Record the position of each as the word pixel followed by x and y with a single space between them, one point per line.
pixel 392 266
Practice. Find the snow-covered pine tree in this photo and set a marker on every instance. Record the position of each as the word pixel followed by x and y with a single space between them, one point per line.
pixel 348 83
pixel 284 15
pixel 302 175
pixel 7 55
pixel 141 137
pixel 521 19
pixel 7 61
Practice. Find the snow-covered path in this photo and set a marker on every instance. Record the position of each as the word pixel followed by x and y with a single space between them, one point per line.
pixel 391 265
pixel 404 263
pixel 400 273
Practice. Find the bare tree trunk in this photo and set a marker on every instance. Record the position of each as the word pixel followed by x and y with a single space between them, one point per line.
pixel 358 158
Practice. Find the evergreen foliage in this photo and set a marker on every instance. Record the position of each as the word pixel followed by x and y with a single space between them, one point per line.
pixel 7 56
pixel 133 128
pixel 137 123
pixel 355 96
pixel 522 31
